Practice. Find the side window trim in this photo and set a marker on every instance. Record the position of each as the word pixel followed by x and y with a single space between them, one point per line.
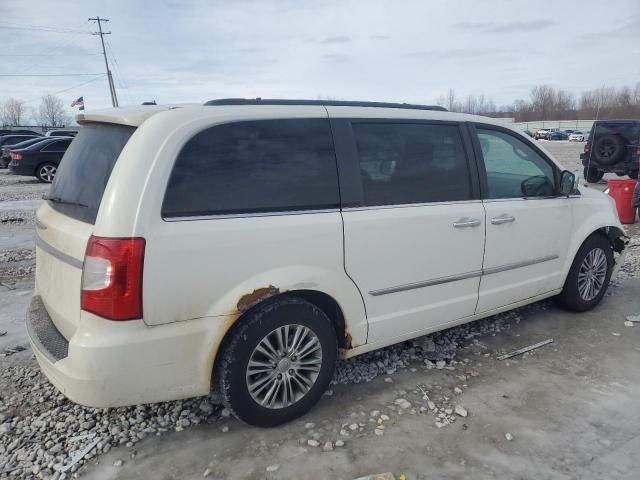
pixel 484 183
pixel 351 191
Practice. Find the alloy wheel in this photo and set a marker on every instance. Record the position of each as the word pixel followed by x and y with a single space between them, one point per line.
pixel 284 366
pixel 592 274
pixel 47 173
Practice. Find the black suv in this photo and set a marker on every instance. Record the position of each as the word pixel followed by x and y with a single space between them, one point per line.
pixel 613 146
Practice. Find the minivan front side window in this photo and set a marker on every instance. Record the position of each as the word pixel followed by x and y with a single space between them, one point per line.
pixel 409 163
pixel 252 167
pixel 514 169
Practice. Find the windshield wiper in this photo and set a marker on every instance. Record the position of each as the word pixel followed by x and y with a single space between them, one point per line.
pixel 65 202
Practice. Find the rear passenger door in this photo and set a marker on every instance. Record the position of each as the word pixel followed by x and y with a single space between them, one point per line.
pixel 413 222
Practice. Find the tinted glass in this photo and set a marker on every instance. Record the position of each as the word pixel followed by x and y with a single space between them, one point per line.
pixel 514 169
pixel 22 143
pixel 402 163
pixel 59 146
pixel 259 166
pixel 11 139
pixel 85 169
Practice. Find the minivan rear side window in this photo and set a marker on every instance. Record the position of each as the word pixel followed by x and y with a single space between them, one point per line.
pixel 255 166
pixel 85 169
pixel 409 163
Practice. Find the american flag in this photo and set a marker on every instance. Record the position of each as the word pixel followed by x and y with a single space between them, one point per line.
pixel 78 102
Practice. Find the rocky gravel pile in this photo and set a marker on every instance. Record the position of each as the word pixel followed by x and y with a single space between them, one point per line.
pixel 43 435
pixel 17 255
pixel 7 179
pixel 18 217
pixel 437 350
pixel 24 192
pixel 631 267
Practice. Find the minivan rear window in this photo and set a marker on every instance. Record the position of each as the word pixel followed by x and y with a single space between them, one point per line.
pixel 85 169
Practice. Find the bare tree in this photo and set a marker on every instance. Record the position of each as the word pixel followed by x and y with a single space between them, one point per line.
pixel 565 104
pixel 451 101
pixel 51 112
pixel 636 95
pixel 12 112
pixel 543 98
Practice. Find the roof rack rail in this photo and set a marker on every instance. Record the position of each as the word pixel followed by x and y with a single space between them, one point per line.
pixel 335 103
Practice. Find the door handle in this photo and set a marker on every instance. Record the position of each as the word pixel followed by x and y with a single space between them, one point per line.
pixel 466 222
pixel 504 218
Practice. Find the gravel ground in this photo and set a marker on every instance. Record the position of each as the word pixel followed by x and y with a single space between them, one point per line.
pixel 43 435
pixel 6 178
pixel 41 432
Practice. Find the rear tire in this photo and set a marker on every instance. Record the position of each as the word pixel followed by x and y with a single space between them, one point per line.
pixel 295 376
pixel 589 275
pixel 608 149
pixel 46 172
pixel 593 175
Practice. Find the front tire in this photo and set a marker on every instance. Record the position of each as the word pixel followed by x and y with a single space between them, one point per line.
pixel 589 275
pixel 277 362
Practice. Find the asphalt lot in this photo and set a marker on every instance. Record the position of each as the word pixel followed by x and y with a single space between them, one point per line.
pixel 570 407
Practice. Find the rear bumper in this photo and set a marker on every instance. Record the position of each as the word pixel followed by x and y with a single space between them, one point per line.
pixel 111 364
pixel 18 169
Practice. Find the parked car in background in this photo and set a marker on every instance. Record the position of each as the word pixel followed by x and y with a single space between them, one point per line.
pixel 161 271
pixel 612 146
pixel 541 133
pixel 6 158
pixel 40 159
pixel 12 139
pixel 61 133
pixel 557 135
pixel 576 136
pixel 18 132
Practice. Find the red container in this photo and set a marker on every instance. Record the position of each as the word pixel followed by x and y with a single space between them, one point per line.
pixel 622 193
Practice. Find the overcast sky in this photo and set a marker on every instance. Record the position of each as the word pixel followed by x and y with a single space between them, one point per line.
pixel 413 51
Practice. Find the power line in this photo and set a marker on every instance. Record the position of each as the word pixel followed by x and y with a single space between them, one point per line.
pixel 112 88
pixel 118 71
pixel 47 55
pixel 41 28
pixel 70 88
pixel 49 74
pixel 59 45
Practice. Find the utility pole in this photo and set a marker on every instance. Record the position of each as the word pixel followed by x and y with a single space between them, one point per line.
pixel 112 87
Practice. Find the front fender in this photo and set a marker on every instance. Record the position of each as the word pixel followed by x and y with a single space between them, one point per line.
pixel 593 212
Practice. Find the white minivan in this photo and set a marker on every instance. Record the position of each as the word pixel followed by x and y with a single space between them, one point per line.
pixel 244 245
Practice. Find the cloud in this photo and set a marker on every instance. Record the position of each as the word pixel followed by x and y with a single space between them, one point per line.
pixel 507 27
pixel 459 53
pixel 336 39
pixel 336 58
pixel 380 37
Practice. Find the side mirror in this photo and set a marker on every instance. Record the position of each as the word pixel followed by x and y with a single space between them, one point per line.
pixel 567 183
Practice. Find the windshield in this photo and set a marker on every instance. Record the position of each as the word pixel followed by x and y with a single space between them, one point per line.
pixel 85 169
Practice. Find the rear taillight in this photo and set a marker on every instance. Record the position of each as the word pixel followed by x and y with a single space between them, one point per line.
pixel 15 156
pixel 586 148
pixel 112 277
